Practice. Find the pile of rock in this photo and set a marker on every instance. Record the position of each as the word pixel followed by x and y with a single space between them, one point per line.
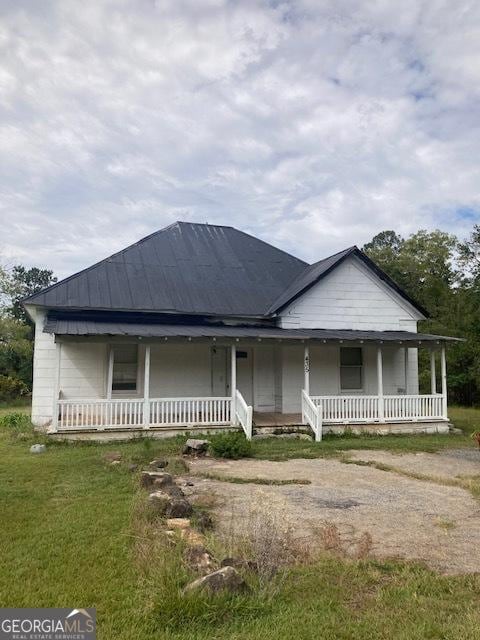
pixel 167 499
pixel 196 448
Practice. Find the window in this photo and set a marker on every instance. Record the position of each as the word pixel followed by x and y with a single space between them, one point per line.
pixel 125 365
pixel 351 365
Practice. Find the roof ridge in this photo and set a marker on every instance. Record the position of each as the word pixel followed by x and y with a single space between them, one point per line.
pixel 177 223
pixel 350 249
pixel 271 246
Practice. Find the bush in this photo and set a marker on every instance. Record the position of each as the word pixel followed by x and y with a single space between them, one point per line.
pixel 18 424
pixel 11 388
pixel 230 445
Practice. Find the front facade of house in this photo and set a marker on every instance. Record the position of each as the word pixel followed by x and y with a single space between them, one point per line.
pixel 200 326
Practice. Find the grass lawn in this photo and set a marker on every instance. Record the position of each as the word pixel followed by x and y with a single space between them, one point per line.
pixel 66 539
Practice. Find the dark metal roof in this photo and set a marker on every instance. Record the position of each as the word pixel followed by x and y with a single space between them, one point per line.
pixel 184 268
pixel 78 327
pixel 199 269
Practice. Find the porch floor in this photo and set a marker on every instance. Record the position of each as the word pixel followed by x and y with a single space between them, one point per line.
pixel 276 419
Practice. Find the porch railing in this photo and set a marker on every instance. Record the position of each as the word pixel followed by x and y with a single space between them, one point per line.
pixel 346 409
pixel 410 407
pixel 99 414
pixel 312 415
pixel 170 412
pixel 244 414
pixel 162 412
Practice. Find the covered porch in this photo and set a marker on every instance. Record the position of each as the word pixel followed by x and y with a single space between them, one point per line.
pixel 231 377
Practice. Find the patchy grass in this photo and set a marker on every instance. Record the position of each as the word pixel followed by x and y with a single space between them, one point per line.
pixel 446 525
pixel 465 418
pixel 20 406
pixel 471 483
pixel 67 540
pixel 237 480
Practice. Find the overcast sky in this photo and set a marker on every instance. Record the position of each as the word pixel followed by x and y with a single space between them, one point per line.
pixel 313 124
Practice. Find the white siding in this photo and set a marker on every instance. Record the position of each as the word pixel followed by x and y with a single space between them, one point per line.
pixel 180 370
pixel 350 297
pixel 325 372
pixel 264 378
pixel 292 378
pixel 83 370
pixel 44 367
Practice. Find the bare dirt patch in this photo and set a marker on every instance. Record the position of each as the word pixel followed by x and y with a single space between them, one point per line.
pixel 447 465
pixel 405 517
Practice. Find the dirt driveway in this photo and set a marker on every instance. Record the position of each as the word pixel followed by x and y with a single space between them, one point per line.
pixel 405 517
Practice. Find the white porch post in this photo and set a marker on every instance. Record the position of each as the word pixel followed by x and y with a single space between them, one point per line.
pixel 146 388
pixel 406 370
pixel 56 386
pixel 306 369
pixel 381 406
pixel 433 374
pixel 233 384
pixel 443 361
pixel 110 373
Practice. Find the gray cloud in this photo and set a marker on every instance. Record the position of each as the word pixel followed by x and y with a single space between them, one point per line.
pixel 311 124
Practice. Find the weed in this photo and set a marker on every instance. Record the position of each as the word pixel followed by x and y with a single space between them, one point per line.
pixel 263 481
pixel 232 444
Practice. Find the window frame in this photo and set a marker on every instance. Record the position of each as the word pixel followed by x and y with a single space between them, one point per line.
pixel 360 366
pixel 124 393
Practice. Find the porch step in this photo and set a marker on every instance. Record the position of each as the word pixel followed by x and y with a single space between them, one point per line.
pixel 276 419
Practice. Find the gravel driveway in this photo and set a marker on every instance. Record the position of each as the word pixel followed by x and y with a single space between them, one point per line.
pixel 405 517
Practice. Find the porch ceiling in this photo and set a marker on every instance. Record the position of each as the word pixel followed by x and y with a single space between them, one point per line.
pixel 71 327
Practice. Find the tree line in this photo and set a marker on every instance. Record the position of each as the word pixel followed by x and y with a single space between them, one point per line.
pixel 16 329
pixel 442 273
pixel 435 268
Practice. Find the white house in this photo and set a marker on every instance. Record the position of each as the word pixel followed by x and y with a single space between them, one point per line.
pixel 199 326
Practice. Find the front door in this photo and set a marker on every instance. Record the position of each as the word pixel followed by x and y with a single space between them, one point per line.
pixel 245 373
pixel 220 387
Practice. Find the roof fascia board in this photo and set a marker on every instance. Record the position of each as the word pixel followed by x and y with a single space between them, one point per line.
pixel 276 311
pixel 392 293
pixel 374 269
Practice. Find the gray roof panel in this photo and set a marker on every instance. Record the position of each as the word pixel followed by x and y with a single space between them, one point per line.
pixel 79 327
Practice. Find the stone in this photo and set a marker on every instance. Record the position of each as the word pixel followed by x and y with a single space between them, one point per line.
pixel 148 478
pixel 132 467
pixel 239 563
pixel 178 508
pixel 294 436
pixel 199 559
pixel 115 463
pixel 224 579
pixel 161 479
pixel 188 483
pixel 158 463
pixel 159 501
pixel 38 448
pixel 195 447
pixel 203 521
pixel 191 537
pixel 178 523
pixel 456 431
pixel 112 456
pixel 173 490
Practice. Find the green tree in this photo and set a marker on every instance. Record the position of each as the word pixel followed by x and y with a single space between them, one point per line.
pixel 16 349
pixel 16 331
pixel 428 266
pixel 20 282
